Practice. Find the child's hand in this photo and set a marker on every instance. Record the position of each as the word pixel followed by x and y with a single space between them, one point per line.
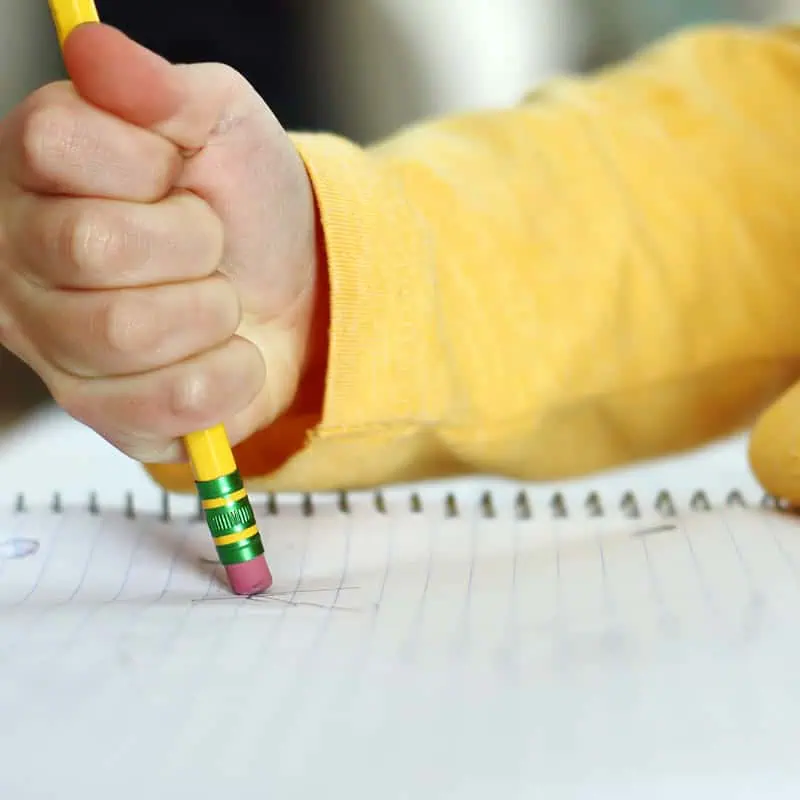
pixel 157 247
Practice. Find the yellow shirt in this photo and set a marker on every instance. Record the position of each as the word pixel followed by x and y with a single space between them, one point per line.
pixel 607 272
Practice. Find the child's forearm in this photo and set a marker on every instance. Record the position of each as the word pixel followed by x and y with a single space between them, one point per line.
pixel 602 274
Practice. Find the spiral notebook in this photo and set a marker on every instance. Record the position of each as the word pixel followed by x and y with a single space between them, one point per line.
pixel 443 641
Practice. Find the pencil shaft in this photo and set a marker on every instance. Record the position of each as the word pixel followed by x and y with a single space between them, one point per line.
pixel 68 14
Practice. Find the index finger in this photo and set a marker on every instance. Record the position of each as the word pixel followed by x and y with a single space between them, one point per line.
pixel 56 143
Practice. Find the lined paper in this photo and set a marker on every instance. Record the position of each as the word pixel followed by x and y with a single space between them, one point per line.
pixel 402 654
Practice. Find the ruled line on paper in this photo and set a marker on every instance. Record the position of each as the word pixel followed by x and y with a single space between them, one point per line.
pixel 488 586
pixel 453 590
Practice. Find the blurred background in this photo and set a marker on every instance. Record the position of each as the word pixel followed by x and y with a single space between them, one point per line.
pixel 362 68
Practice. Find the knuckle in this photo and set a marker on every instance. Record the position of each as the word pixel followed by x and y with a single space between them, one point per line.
pixel 189 395
pixel 46 137
pixel 91 244
pixel 122 326
pixel 82 242
pixel 52 93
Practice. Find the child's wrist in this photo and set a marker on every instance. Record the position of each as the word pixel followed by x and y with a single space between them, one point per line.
pixel 271 447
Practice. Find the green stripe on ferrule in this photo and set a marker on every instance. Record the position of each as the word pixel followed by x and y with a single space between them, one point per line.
pixel 220 487
pixel 230 518
pixel 239 552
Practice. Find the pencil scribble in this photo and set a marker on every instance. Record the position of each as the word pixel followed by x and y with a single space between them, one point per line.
pixel 286 598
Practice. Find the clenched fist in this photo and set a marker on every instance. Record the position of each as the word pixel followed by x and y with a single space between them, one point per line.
pixel 157 247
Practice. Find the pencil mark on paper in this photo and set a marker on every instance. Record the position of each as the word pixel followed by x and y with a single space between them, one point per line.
pixel 286 598
pixel 654 529
pixel 18 548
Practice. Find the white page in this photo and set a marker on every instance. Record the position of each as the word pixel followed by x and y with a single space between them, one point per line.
pixel 403 655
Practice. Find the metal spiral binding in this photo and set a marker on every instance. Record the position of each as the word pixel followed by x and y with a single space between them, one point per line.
pixel 522 507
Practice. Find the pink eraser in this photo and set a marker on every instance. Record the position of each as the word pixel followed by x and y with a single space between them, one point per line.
pixel 249 577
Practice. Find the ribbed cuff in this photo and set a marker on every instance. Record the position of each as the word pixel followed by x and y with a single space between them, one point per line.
pixel 385 358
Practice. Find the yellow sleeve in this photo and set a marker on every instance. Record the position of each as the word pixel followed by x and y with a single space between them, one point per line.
pixel 606 273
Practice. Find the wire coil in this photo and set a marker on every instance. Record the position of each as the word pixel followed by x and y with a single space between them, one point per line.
pixel 521 506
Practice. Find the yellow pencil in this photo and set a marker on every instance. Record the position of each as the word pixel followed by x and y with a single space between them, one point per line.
pixel 226 506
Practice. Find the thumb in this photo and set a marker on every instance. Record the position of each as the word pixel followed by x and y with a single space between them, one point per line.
pixel 120 76
pixel 775 448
